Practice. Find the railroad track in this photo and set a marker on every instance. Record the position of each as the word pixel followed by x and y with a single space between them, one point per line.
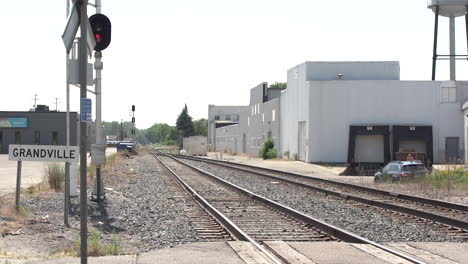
pixel 453 216
pixel 205 225
pixel 253 218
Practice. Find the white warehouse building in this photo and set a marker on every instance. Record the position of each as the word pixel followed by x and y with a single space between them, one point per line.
pixel 360 112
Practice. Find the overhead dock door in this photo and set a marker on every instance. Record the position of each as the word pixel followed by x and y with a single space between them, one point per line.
pixel 369 144
pixel 413 139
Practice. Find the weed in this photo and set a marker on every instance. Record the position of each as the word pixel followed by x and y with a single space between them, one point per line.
pixel 286 154
pixel 114 247
pixel 95 246
pixel 111 159
pixel 23 212
pixel 54 175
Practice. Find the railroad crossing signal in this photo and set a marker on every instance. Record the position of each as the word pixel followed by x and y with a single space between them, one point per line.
pixel 101 26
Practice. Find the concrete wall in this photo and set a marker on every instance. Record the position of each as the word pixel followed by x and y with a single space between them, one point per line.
pixel 294 109
pixel 352 70
pixel 195 145
pixel 369 94
pixel 258 121
pixel 335 105
pixel 44 122
pixel 233 112
pixel 228 139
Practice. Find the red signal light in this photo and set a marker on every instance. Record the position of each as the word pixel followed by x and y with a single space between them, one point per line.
pixel 98 38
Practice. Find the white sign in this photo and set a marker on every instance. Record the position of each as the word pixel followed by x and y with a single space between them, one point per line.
pixel 43 153
pixel 98 154
pixel 73 23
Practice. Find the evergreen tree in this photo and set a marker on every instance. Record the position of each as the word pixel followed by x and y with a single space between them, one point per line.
pixel 184 125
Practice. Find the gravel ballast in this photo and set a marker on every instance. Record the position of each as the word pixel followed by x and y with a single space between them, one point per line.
pixel 369 222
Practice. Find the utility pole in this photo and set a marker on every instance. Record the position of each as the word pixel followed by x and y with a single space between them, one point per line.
pixel 56 103
pixel 35 101
pixel 133 127
pixel 83 62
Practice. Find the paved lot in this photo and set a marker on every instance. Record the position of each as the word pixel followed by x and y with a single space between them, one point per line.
pixel 31 172
pixel 294 252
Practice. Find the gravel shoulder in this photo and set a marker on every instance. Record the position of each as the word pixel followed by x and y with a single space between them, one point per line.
pixel 142 211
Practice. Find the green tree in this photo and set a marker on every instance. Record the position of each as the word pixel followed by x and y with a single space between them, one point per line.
pixel 201 127
pixel 278 85
pixel 184 125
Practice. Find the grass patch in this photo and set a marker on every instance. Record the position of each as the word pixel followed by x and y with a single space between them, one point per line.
pixel 96 247
pixel 111 159
pixel 54 175
pixel 438 183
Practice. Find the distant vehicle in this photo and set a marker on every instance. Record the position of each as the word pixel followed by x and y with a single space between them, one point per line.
pixel 121 146
pixel 401 170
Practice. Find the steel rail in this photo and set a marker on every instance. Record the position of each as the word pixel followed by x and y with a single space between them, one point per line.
pixel 328 228
pixel 449 205
pixel 226 222
pixel 422 214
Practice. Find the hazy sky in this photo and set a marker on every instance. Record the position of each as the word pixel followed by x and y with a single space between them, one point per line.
pixel 167 53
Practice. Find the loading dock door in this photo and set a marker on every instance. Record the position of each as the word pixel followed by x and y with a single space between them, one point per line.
pixel 369 148
pixel 412 146
pixel 451 149
pixel 301 147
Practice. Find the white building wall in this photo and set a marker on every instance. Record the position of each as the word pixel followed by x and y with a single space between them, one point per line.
pixel 335 105
pixel 294 109
pixel 352 70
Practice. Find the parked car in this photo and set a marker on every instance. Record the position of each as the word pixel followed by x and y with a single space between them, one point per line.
pixel 401 170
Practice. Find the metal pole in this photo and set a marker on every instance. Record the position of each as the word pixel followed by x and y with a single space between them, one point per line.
pixel 18 184
pixel 452 49
pixel 67 165
pixel 98 66
pixel 83 57
pixel 434 53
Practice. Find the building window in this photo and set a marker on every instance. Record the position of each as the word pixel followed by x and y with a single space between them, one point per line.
pixel 17 137
pixel 248 121
pixel 448 94
pixel 263 118
pixel 258 109
pixel 55 138
pixel 216 117
pixel 37 137
pixel 273 115
pixel 228 117
pixel 252 110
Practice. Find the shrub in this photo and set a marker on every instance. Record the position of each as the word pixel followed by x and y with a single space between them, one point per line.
pixel 272 154
pixel 286 154
pixel 54 174
pixel 268 151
